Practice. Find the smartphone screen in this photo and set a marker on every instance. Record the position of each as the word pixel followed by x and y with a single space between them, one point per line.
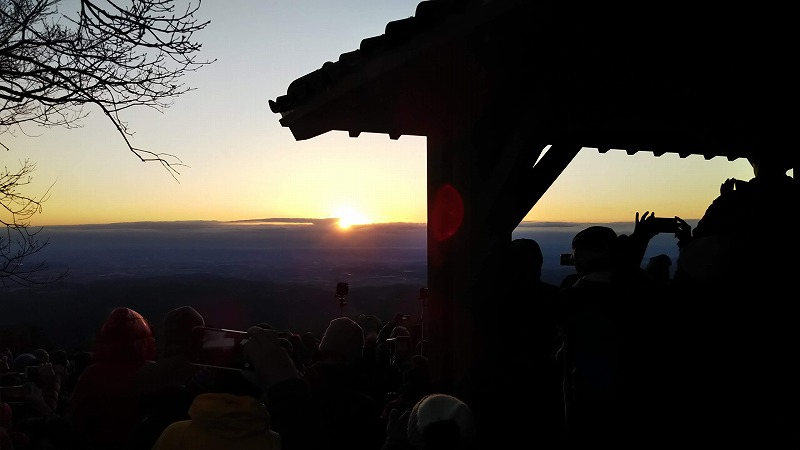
pixel 665 224
pixel 219 347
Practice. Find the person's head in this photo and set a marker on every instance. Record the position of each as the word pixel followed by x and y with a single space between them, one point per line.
pixel 524 259
pixel 42 355
pixel 766 165
pixel 309 340
pixel 343 341
pixel 370 323
pixel 441 421
pixel 593 249
pixel 400 330
pixel 124 336
pixel 59 357
pixel 658 268
pixel 178 325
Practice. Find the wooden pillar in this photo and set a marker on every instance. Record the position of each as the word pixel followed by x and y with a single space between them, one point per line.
pixel 460 258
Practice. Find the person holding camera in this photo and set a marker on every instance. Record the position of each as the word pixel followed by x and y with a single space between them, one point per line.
pixel 340 389
pixel 294 415
pixel 731 270
pixel 614 337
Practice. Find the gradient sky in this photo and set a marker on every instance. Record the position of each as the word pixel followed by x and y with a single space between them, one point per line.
pixel 243 164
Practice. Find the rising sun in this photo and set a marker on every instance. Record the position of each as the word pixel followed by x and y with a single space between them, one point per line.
pixel 349 217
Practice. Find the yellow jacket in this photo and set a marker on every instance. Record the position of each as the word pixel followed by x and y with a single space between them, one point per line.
pixel 221 422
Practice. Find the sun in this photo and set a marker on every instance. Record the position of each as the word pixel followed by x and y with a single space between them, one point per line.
pixel 349 216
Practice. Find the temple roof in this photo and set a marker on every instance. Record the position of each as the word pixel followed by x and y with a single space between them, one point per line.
pixel 663 78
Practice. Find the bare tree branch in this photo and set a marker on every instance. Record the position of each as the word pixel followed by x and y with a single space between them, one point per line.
pixel 19 241
pixel 53 65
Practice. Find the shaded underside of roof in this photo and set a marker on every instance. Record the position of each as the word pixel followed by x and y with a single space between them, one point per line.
pixel 637 77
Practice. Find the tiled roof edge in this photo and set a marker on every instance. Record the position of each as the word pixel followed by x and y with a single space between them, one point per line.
pixel 428 15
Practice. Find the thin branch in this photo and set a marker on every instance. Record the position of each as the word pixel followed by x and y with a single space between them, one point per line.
pixel 116 58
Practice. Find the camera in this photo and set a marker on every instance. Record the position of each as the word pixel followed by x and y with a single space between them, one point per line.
pixel 219 347
pixel 342 289
pixel 567 259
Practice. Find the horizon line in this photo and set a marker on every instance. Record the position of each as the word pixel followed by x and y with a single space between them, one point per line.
pixel 326 221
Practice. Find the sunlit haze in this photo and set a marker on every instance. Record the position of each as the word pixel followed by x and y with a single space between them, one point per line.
pixel 349 216
pixel 242 164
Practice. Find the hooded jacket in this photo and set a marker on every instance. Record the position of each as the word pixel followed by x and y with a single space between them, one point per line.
pixel 222 421
pixel 103 407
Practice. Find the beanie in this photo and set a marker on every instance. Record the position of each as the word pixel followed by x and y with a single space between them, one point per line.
pixel 344 337
pixel 178 325
pixel 124 336
pixel 438 409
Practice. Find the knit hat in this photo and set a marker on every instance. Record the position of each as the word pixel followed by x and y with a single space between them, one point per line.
pixel 178 325
pixel 125 336
pixel 441 411
pixel 344 337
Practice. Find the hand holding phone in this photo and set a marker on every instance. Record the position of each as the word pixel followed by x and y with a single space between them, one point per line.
pixel 665 224
pixel 219 347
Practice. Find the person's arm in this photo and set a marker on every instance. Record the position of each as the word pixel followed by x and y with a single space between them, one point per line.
pixel 36 402
pixel 288 398
pixel 50 385
pixel 684 233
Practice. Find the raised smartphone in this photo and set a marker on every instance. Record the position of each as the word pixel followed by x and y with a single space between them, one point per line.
pixel 219 347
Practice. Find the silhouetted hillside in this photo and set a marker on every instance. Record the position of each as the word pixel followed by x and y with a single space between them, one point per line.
pixel 240 275
pixel 70 314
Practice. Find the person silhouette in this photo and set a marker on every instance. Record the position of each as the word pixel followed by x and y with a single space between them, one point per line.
pixel 730 270
pixel 519 359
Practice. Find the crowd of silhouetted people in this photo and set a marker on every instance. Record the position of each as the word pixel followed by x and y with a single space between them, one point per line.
pixel 623 353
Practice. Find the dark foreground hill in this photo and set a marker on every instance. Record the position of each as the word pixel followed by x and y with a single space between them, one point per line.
pixel 69 315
